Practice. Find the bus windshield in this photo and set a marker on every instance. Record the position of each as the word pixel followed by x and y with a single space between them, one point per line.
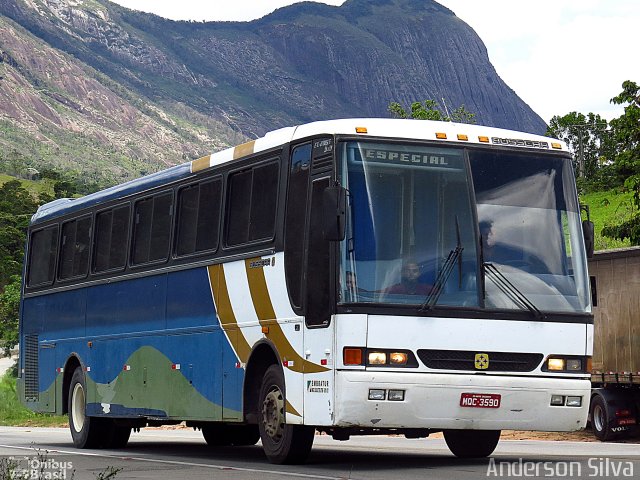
pixel 449 227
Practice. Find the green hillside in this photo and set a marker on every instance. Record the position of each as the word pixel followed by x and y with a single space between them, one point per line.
pixel 36 187
pixel 608 207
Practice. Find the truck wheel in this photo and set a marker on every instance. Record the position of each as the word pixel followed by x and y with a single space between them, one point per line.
pixel 600 419
pixel 86 432
pixel 282 443
pixel 472 443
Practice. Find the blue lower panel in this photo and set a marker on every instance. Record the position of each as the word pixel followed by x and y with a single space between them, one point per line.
pixel 154 336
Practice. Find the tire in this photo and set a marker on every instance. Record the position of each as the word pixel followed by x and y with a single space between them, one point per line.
pixel 218 435
pixel 282 443
pixel 600 419
pixel 86 432
pixel 472 443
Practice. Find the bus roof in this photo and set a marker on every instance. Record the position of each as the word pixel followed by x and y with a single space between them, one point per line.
pixel 365 127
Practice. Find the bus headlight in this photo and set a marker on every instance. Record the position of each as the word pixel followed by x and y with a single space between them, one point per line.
pixel 380 357
pixel 398 358
pixel 566 363
pixel 574 365
pixel 556 364
pixel 377 358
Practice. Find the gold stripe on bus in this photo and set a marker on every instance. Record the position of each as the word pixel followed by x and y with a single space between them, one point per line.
pixel 229 322
pixel 225 312
pixel 200 164
pixel 243 150
pixel 289 409
pixel 267 317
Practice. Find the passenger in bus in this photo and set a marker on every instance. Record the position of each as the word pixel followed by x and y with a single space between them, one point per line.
pixel 353 291
pixel 410 282
pixel 351 286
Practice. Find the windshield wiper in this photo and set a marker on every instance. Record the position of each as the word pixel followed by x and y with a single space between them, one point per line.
pixel 441 279
pixel 445 272
pixel 510 290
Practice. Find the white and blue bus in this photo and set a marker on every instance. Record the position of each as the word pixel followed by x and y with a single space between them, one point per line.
pixel 354 277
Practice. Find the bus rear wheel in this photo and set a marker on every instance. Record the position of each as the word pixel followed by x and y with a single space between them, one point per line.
pixel 282 442
pixel 472 443
pixel 86 432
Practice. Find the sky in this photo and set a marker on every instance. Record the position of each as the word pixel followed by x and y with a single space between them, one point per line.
pixel 559 56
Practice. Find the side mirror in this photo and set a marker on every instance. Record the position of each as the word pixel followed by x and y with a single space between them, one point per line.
pixel 588 230
pixel 334 213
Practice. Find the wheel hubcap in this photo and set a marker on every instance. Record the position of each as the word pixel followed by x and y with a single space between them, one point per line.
pixel 77 407
pixel 273 414
pixel 598 418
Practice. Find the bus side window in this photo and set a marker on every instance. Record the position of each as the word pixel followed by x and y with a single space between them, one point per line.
pixel 112 233
pixel 198 217
pixel 252 202
pixel 74 250
pixel 42 256
pixel 152 227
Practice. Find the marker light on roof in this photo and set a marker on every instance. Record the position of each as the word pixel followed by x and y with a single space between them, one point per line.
pixel 361 130
pixel 556 145
pixel 441 136
pixel 483 139
pixel 463 137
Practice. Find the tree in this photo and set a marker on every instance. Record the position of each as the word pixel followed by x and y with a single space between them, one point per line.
pixel 431 110
pixel 17 206
pixel 9 308
pixel 590 142
pixel 626 132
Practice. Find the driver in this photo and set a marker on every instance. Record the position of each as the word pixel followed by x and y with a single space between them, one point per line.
pixel 494 251
pixel 410 283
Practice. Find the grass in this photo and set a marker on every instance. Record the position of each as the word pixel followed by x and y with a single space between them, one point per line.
pixel 610 207
pixel 13 413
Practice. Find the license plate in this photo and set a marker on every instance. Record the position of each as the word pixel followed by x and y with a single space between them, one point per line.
pixel 480 400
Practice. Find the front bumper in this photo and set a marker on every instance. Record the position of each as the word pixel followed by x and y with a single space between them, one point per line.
pixel 433 401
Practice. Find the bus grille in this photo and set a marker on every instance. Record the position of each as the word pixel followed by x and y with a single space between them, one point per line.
pixel 31 380
pixel 466 360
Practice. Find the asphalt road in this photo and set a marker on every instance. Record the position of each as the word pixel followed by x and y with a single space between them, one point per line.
pixel 182 454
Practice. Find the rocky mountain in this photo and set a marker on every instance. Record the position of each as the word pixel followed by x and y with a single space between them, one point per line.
pixel 88 80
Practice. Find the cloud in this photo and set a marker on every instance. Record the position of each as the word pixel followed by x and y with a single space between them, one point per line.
pixel 559 56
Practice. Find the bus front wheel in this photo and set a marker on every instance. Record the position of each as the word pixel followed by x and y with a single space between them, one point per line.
pixel 86 431
pixel 282 442
pixel 472 443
